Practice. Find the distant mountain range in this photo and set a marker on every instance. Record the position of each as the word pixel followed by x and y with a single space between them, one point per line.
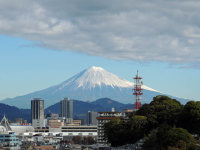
pixel 80 109
pixel 12 112
pixel 88 85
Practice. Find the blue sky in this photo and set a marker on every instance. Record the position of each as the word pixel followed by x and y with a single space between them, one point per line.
pixel 43 45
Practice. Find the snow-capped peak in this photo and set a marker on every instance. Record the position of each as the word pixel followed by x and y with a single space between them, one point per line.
pixel 97 77
pixel 94 68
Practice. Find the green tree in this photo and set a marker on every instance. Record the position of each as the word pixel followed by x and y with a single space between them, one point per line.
pixel 194 147
pixel 115 132
pixel 166 138
pixel 190 117
pixel 136 128
pixel 149 111
pixel 178 135
pixel 118 132
pixel 161 110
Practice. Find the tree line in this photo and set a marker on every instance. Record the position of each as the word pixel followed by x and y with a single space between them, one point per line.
pixel 163 124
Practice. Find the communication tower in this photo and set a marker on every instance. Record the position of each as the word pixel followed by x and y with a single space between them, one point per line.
pixel 138 91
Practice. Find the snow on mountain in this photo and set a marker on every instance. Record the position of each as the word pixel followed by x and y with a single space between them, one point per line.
pixel 90 84
pixel 97 77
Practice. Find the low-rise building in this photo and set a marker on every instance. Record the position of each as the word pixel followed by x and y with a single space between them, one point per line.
pixel 74 123
pixel 55 123
pixel 20 129
pixel 57 134
pixel 79 130
pixel 42 130
pixel 8 138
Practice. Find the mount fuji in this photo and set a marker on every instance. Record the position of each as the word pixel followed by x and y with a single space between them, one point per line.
pixel 88 85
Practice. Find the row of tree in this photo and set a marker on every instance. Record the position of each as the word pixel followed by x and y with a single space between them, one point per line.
pixel 164 124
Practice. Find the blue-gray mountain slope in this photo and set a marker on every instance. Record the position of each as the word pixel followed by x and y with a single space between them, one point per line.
pixel 88 85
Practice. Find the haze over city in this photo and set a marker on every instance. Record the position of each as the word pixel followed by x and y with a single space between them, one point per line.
pixel 46 42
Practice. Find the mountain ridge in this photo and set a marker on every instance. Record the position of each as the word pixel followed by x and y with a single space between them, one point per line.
pixel 88 85
pixel 80 109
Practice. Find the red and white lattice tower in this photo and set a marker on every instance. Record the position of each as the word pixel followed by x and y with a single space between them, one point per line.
pixel 138 91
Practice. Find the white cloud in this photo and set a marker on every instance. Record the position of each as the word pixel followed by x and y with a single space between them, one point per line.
pixel 167 31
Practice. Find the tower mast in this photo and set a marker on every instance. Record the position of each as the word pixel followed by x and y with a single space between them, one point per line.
pixel 138 91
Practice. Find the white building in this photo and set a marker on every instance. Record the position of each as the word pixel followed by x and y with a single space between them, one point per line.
pixel 8 138
pixel 79 130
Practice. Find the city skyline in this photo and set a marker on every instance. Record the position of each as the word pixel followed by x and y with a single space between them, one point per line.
pixel 40 48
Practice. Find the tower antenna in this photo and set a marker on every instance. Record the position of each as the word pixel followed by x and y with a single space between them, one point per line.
pixel 138 91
